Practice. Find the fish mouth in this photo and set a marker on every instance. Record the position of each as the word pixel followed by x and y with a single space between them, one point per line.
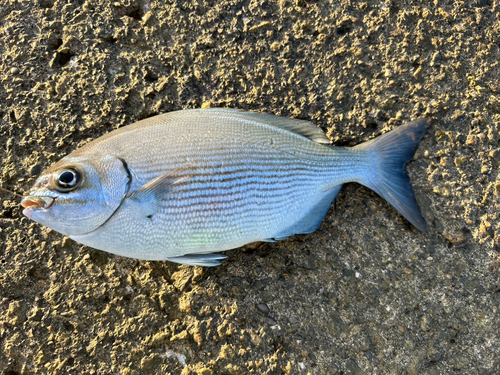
pixel 37 202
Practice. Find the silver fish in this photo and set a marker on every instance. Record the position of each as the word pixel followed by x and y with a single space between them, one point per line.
pixel 183 185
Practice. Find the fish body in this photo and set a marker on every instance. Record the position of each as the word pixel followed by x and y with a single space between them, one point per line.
pixel 183 185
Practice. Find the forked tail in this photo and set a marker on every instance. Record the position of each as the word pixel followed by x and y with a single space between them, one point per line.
pixel 389 154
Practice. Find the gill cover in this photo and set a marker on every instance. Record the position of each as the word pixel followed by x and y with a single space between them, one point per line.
pixel 104 182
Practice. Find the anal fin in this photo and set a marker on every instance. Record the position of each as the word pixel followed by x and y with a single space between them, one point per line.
pixel 312 219
pixel 202 260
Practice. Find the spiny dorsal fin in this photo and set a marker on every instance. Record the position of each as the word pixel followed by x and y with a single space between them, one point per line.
pixel 302 127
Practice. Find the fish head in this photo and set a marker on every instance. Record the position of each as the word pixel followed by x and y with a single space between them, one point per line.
pixel 78 194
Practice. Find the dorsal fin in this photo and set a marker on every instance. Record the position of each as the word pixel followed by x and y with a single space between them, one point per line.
pixel 302 127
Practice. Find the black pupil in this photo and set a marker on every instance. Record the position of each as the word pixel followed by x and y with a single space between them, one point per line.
pixel 67 178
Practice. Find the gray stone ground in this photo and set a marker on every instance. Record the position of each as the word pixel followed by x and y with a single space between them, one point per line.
pixel 366 293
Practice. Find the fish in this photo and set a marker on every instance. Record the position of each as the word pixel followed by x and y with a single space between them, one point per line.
pixel 185 185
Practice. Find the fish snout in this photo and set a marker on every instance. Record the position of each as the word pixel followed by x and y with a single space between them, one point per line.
pixel 37 202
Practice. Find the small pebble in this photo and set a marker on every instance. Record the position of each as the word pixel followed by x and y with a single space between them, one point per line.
pixel 14 71
pixel 436 358
pixel 263 308
pixel 293 320
pixel 347 273
pixel 35 170
pixel 270 321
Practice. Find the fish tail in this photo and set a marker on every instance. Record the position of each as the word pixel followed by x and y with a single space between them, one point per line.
pixel 389 154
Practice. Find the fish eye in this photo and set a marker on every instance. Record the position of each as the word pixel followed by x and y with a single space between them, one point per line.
pixel 66 179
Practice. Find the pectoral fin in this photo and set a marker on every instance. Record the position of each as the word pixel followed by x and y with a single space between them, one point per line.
pixel 149 195
pixel 202 260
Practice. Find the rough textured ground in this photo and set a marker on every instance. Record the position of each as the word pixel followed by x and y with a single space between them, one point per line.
pixel 366 293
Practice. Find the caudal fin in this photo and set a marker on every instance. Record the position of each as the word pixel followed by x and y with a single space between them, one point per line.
pixel 390 153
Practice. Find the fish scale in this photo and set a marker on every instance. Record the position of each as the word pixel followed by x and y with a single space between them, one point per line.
pixel 188 183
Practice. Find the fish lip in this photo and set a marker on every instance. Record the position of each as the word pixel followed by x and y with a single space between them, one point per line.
pixel 35 202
